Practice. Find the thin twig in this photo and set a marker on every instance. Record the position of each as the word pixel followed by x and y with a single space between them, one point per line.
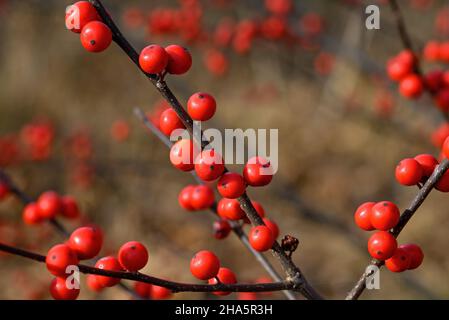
pixel 405 218
pixel 173 286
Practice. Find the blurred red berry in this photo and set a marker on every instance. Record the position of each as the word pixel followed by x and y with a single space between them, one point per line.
pixel 49 204
pixel 69 207
pixel 221 229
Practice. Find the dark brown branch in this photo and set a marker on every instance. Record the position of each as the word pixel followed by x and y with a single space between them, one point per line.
pixel 173 286
pixel 405 218
pixel 292 271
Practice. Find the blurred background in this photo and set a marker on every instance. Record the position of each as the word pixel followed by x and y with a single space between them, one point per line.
pixel 316 74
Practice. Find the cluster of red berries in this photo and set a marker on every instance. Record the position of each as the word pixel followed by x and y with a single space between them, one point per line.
pixel 382 245
pixel 206 266
pixel 83 18
pixel 401 68
pixel 173 59
pixel 48 206
pixel 85 243
pixel 151 291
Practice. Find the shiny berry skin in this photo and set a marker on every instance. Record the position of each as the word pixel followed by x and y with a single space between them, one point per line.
pixel 411 86
pixel 428 164
pixel 86 242
pixel 221 228
pixel 201 106
pixel 230 209
pixel 382 245
pixel 399 262
pixel 92 283
pixel 133 256
pixel 384 215
pixel 59 290
pixel 59 258
pixel 82 12
pixel 181 155
pixel 69 207
pixel 153 59
pixel 226 276
pixel 409 172
pixel 415 253
pixel 169 121
pixel 4 190
pixel 185 198
pixel 108 263
pixel 96 36
pixel 159 293
pixel 231 185
pixel 258 172
pixel 261 238
pixel 179 59
pixel 202 197
pixel 362 216
pixel 204 265
pixel 272 226
pixel 431 51
pixel 142 289
pixel 49 204
pixel 31 214
pixel 209 165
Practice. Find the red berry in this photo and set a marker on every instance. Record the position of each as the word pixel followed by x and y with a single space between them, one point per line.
pixel 142 289
pixel 444 52
pixel 382 245
pixel 201 106
pixel 398 70
pixel 31 214
pixel 185 198
pixel 209 165
pixel 159 293
pixel 49 204
pixel 79 14
pixel 153 59
pixel 86 242
pixel 427 163
pixel 409 172
pixel 230 209
pixel 4 190
pixel 226 276
pixel 384 215
pixel 222 228
pixel 246 296
pixel 362 216
pixel 272 226
pixel 179 59
pixel 133 256
pixel 399 262
pixel 182 153
pixel 59 290
pixel 231 185
pixel 96 36
pixel 169 121
pixel 59 258
pixel 69 207
pixel 279 7
pixel 261 238
pixel 108 263
pixel 258 172
pixel 202 197
pixel 204 265
pixel 93 284
pixel 415 253
pixel 433 80
pixel 432 51
pixel 442 99
pixel 411 86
